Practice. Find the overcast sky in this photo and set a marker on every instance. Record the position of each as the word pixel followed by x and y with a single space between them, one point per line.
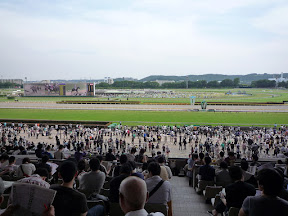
pixel 66 39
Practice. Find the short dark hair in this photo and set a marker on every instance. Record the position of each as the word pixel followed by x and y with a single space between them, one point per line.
pixel 94 164
pixel 61 147
pixel 99 157
pixel 81 165
pixel 45 159
pixel 231 153
pixel 133 150
pixel 42 172
pixel 25 160
pixel 67 171
pixel 207 160
pixel 161 159
pixel 235 173
pixel 123 159
pixel 201 155
pixel 271 181
pixel 223 165
pixel 126 169
pixel 244 165
pixel 255 157
pixel 221 154
pixel 11 159
pixel 154 168
pixel 132 164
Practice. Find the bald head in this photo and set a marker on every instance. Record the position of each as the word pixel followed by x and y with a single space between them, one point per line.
pixel 133 194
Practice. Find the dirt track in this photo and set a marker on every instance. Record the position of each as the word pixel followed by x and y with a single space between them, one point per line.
pixel 53 105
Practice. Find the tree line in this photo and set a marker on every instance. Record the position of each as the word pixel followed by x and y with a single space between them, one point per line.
pixel 226 83
pixel 10 85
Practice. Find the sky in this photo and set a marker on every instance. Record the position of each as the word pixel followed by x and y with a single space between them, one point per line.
pixel 93 39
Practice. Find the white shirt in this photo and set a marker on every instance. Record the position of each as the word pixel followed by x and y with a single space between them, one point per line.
pixel 142 212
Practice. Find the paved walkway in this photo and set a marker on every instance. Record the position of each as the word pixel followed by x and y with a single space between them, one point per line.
pixel 185 201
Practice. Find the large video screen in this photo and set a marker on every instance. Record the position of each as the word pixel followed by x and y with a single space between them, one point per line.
pixel 76 89
pixel 41 89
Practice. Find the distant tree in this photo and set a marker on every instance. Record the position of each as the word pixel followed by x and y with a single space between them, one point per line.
pixel 213 84
pixel 283 84
pixel 227 83
pixel 102 85
pixel 236 82
pixel 263 84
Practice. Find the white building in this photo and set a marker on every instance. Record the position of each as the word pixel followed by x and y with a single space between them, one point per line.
pixel 109 80
pixel 17 81
pixel 164 81
pixel 279 79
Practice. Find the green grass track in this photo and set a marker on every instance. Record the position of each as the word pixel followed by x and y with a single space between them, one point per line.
pixel 150 117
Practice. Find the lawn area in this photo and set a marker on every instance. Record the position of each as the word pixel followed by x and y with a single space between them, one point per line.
pixel 149 117
pixel 182 96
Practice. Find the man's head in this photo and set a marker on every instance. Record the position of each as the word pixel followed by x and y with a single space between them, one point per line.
pixel 207 160
pixel 223 165
pixel 67 171
pixel 244 165
pixel 45 159
pixel 123 159
pixel 270 182
pixel 126 169
pixel 161 160
pixel 94 164
pixel 61 147
pixel 42 172
pixel 154 168
pixel 12 159
pixel 129 187
pixel 133 150
pixel 235 173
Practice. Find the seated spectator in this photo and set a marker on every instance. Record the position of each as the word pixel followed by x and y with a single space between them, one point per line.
pixel 102 167
pixel 235 192
pixel 245 173
pixel 67 201
pixel 222 176
pixel 110 156
pixel 131 155
pixel 38 178
pixel 125 171
pixel 26 169
pixel 79 154
pixel 11 168
pixel 206 174
pixel 221 158
pixel 284 192
pixel 4 160
pixel 81 169
pixel 92 182
pixel 230 160
pixel 159 190
pixel 255 161
pixel 270 183
pixel 59 153
pixel 161 162
pixel 141 158
pixel 116 170
pixel 134 171
pixel 44 165
pixel 130 204
pixel 39 151
pixel 201 159
pixel 46 152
